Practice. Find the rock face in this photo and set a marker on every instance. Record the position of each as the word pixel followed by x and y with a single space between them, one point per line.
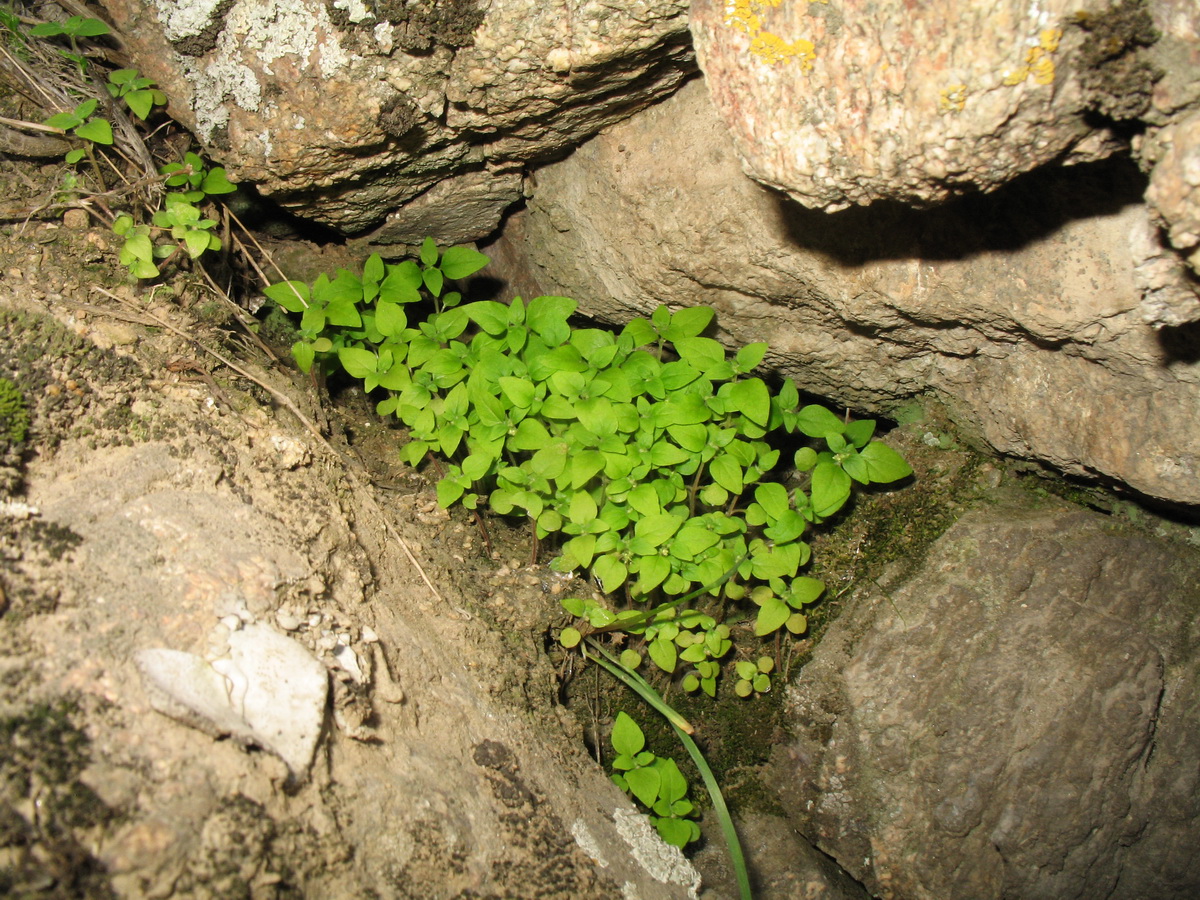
pixel 848 103
pixel 1023 311
pixel 168 554
pixel 1016 720
pixel 347 111
pixel 859 101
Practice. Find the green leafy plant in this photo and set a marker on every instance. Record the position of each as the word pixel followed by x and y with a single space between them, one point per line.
pixel 138 91
pixel 81 123
pixel 180 224
pixel 683 731
pixel 72 29
pixel 655 781
pixel 165 225
pixel 645 454
pixel 753 677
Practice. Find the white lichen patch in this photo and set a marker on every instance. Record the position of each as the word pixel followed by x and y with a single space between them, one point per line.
pixel 662 861
pixel 256 35
pixel 183 20
pixel 587 842
pixel 356 10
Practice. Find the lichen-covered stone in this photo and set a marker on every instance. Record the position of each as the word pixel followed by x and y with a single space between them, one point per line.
pixel 918 102
pixel 853 102
pixel 1175 186
pixel 347 111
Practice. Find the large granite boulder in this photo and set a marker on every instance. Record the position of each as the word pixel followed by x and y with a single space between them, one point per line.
pixel 350 111
pixel 1023 311
pixel 861 100
pixel 1017 719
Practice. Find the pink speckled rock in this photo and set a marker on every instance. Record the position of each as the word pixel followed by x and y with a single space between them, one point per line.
pixel 853 101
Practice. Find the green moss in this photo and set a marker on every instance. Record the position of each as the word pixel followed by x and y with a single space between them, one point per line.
pixel 14 415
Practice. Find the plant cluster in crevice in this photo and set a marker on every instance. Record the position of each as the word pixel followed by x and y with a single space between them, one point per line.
pixel 645 456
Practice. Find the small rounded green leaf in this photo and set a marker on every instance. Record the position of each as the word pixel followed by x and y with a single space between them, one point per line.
pixel 805 590
pixel 771 616
pixel 216 182
pixel 611 572
pixel 688 322
pixel 139 246
pixel 663 653
pixel 429 252
pixel 830 489
pixel 433 280
pixel 817 421
pixel 81 26
pixel 750 356
pixel 627 737
pixel 806 458
pixel 98 131
pixel 519 391
pixel 358 362
pixel 752 399
pixel 727 473
pixel 884 465
pixel 643 784
pixel 293 296
pixel 570 637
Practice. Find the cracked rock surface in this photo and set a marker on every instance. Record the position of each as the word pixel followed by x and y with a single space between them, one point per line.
pixel 1015 720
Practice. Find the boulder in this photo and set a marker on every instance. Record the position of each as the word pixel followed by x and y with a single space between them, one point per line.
pixel 861 101
pixel 348 111
pixel 1015 719
pixel 854 102
pixel 1024 311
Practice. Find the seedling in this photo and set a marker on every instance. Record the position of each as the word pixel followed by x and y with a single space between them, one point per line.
pixel 74 28
pixel 137 91
pixel 81 123
pixel 655 781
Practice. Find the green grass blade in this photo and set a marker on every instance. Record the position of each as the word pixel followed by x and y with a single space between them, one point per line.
pixel 684 730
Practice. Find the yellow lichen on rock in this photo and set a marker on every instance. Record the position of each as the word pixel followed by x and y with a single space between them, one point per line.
pixel 1039 63
pixel 744 15
pixel 953 99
